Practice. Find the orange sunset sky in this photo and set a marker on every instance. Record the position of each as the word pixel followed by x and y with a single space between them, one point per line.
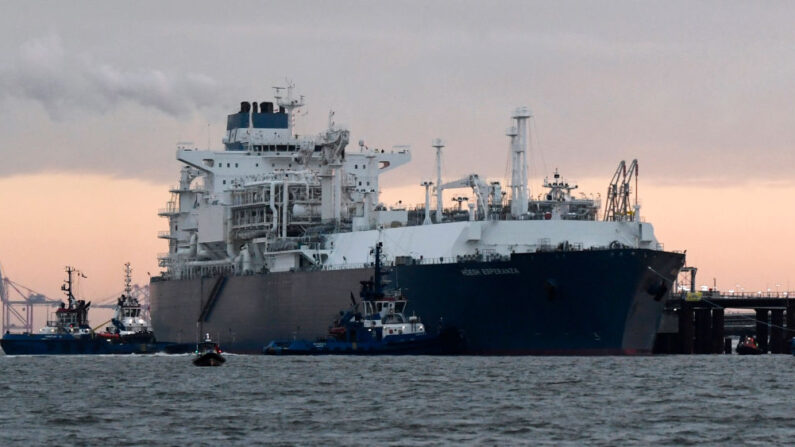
pixel 97 223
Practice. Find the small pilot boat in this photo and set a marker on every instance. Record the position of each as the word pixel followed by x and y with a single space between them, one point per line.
pixel 748 346
pixel 208 353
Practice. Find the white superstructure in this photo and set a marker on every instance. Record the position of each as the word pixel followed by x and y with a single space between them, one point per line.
pixel 129 316
pixel 276 201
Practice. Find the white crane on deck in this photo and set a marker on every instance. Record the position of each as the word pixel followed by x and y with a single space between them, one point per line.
pixel 479 187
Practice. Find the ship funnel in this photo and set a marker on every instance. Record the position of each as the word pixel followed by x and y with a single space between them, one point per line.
pixel 245 107
pixel 266 107
pixel 254 107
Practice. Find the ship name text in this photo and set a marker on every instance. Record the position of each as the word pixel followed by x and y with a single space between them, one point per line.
pixel 490 271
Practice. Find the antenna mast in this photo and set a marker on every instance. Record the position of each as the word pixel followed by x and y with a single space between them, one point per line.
pixel 127 279
pixel 289 103
pixel 518 134
pixel 438 144
pixel 66 287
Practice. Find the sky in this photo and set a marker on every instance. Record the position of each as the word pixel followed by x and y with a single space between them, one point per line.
pixel 94 97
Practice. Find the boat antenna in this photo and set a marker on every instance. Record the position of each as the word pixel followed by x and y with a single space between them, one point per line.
pixel 66 287
pixel 377 274
pixel 127 279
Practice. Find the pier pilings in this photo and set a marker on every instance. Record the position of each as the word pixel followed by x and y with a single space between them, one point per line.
pixel 777 331
pixel 762 325
pixel 701 325
pixel 717 331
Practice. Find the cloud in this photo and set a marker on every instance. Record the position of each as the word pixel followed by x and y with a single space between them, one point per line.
pixel 45 72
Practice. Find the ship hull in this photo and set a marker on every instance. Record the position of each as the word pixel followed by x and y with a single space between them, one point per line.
pixel 445 343
pixel 590 302
pixel 37 344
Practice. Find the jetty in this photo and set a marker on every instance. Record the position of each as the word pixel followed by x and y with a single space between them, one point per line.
pixel 702 322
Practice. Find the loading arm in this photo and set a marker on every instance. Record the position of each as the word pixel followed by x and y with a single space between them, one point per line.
pixel 479 187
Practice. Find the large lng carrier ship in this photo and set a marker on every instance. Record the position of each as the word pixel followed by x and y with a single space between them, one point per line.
pixel 268 238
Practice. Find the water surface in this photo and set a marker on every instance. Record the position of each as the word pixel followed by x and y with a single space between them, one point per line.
pixel 253 400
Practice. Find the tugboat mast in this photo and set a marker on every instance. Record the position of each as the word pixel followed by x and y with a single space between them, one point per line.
pixel 127 279
pixel 378 288
pixel 66 287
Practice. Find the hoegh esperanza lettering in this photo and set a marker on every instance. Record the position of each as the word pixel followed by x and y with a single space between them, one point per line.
pixel 490 271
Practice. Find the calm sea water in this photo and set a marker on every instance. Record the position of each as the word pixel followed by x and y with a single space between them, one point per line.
pixel 258 400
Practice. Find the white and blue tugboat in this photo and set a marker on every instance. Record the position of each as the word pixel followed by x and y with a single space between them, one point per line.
pixel 128 325
pixel 381 327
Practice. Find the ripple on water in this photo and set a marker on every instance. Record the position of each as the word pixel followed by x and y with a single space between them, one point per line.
pixel 164 400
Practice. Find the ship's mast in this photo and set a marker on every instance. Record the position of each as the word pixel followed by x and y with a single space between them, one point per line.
pixel 66 287
pixel 289 103
pixel 518 136
pixel 127 279
pixel 438 144
pixel 377 287
pixel 427 185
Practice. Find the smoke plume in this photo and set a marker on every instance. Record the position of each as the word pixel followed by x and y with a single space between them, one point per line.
pixel 45 72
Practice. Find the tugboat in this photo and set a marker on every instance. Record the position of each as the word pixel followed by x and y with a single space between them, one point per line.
pixel 748 346
pixel 208 353
pixel 128 324
pixel 382 327
pixel 70 333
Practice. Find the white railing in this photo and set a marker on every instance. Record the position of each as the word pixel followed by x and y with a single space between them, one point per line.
pixel 171 208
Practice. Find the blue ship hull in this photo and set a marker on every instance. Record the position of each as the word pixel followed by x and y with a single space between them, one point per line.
pixel 60 344
pixel 566 302
pixel 601 301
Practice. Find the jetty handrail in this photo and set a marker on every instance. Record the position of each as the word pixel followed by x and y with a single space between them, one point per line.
pixel 737 295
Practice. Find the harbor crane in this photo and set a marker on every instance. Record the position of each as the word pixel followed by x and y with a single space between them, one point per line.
pixel 18 310
pixel 618 194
